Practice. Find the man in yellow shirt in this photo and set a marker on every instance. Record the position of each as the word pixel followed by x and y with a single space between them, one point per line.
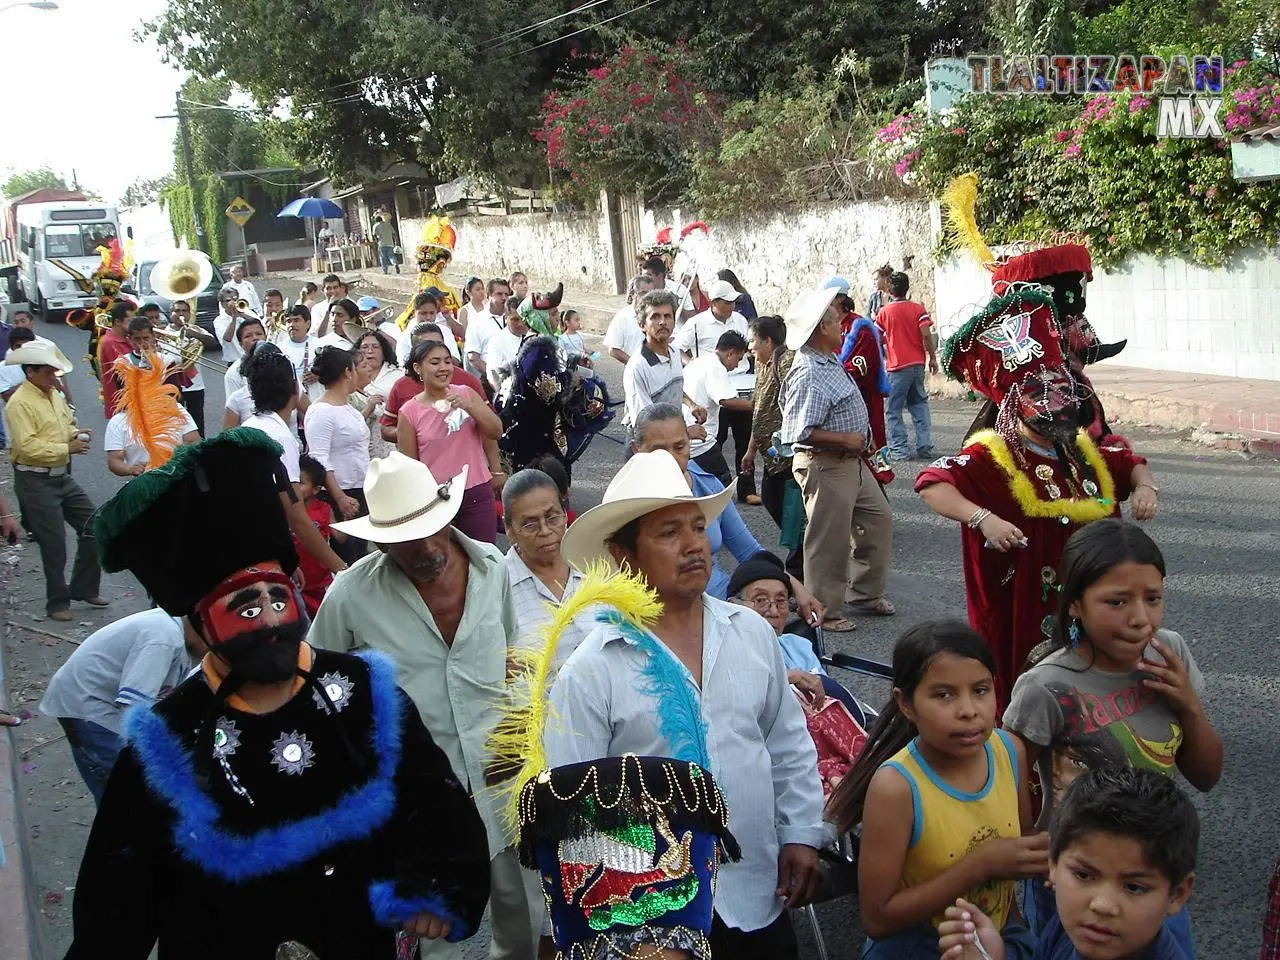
pixel 43 436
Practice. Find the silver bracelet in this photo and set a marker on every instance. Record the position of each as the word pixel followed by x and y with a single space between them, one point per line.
pixel 978 516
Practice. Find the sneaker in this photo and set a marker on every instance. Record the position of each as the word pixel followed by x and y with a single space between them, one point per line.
pixel 926 453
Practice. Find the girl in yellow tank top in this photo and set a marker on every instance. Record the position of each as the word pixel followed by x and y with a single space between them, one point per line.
pixel 940 795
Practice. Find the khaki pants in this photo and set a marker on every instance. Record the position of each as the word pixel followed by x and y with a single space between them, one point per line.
pixel 849 540
pixel 516 909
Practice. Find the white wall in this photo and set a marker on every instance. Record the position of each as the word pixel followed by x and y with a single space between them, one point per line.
pixel 549 247
pixel 1175 315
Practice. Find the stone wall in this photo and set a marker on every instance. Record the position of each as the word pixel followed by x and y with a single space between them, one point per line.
pixel 549 247
pixel 1176 316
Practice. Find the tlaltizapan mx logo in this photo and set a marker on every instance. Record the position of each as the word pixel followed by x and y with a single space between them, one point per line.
pixel 1188 88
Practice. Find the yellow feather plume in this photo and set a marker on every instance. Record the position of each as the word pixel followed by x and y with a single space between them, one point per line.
pixel 516 740
pixel 151 407
pixel 959 205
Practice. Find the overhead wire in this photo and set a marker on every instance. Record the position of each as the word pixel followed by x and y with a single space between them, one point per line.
pixel 505 38
pixel 574 33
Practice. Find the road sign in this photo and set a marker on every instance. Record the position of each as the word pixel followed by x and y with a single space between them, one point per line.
pixel 239 211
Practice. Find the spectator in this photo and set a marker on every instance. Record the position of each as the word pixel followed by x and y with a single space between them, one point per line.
pixel 426 309
pixel 502 350
pixel 43 436
pixel 445 427
pixel 706 383
pixel 745 305
pixel 908 335
pixel 880 290
pixel 338 436
pixel 755 737
pixel 655 268
pixel 571 342
pixel 335 289
pixel 137 659
pixel 625 332
pixel 849 538
pixel 702 332
pixel 384 234
pixel 483 326
pixel 655 374
pixel 519 283
pixel 246 290
pixel 316 578
pixel 444 615
pixel 476 303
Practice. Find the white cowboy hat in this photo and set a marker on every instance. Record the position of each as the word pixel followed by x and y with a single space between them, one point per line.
pixel 805 313
pixel 36 353
pixel 405 501
pixel 647 482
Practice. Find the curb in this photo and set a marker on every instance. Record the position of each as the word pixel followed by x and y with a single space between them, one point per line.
pixel 21 925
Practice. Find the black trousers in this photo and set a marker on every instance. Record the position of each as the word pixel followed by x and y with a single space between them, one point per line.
pixel 774 942
pixel 193 400
pixel 51 504
pixel 739 422
pixel 772 488
pixel 351 549
pixel 714 463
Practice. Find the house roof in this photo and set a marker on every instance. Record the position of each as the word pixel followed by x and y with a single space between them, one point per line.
pixel 1265 132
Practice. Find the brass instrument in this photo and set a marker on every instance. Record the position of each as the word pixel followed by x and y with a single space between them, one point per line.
pixel 276 324
pixel 181 275
pixel 244 306
pixel 188 351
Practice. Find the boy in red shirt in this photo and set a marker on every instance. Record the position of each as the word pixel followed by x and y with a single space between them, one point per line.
pixel 908 336
pixel 315 576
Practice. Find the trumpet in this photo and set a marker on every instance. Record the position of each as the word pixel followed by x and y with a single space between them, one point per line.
pixel 244 306
pixel 276 324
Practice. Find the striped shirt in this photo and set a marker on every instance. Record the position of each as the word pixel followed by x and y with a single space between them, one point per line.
pixel 650 378
pixel 819 394
pixel 530 597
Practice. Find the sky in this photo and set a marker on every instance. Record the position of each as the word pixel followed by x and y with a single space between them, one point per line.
pixel 85 94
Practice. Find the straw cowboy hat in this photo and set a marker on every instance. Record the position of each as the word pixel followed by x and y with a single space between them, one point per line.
pixel 805 313
pixel 647 482
pixel 405 501
pixel 39 354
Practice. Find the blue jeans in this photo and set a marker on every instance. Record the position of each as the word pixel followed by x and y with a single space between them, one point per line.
pixel 906 389
pixel 94 749
pixel 387 257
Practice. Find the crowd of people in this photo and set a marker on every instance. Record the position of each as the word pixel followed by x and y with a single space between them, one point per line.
pixel 618 742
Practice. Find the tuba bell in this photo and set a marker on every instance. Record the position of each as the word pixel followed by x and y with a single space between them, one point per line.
pixel 181 275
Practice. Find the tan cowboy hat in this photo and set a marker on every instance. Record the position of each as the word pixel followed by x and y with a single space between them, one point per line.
pixel 39 354
pixel 647 482
pixel 805 313
pixel 405 501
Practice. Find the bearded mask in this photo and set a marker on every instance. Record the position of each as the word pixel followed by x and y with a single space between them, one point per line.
pixel 1048 405
pixel 254 622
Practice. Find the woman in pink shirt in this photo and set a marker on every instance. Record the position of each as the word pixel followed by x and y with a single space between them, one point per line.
pixel 428 429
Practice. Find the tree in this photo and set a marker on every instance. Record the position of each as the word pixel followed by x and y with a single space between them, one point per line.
pixel 27 180
pixel 141 191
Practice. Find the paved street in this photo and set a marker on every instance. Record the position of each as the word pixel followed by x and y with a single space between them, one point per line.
pixel 1219 527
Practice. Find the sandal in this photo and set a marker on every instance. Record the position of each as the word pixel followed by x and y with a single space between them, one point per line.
pixel 875 608
pixel 9 720
pixel 840 625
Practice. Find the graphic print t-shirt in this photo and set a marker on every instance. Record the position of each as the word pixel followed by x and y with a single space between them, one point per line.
pixel 1088 718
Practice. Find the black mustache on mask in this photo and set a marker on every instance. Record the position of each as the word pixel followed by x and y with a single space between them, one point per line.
pixel 269 655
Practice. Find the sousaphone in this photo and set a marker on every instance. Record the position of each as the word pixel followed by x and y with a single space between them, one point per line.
pixel 181 275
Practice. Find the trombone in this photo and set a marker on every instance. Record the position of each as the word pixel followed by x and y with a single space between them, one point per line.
pixel 187 351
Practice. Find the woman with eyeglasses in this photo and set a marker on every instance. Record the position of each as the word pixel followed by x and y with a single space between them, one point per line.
pixel 534 515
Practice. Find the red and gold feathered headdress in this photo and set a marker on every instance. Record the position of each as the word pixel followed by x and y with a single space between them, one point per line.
pixel 151 407
pixel 115 262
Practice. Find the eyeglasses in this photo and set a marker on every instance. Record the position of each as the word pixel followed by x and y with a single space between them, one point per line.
pixel 554 524
pixel 765 604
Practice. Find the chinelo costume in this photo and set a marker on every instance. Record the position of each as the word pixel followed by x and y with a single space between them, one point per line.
pixel 434 251
pixel 224 833
pixel 1010 353
pixel 106 281
pixel 628 847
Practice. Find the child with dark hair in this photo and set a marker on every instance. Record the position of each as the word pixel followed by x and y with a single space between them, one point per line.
pixel 1112 688
pixel 1122 862
pixel 553 467
pixel 942 798
pixel 315 576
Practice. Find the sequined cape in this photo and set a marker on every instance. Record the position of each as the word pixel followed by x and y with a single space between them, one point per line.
pixel 328 828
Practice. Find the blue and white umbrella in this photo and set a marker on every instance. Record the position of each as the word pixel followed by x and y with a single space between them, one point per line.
pixel 313 208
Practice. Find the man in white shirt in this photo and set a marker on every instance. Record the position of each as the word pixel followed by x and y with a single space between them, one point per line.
pixel 482 326
pixel 502 350
pixel 251 331
pixel 224 325
pixel 706 383
pixel 335 289
pixel 626 332
pixel 299 345
pixel 193 393
pixel 135 660
pixel 655 374
pixel 240 281
pixel 703 331
pixel 126 456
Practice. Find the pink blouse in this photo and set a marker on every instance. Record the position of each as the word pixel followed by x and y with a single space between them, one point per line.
pixel 445 453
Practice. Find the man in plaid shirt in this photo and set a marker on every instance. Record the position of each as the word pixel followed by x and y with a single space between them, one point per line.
pixel 824 420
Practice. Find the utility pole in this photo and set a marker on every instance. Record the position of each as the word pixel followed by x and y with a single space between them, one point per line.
pixel 201 244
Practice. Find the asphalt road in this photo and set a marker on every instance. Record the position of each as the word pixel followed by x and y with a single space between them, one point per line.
pixel 1219 527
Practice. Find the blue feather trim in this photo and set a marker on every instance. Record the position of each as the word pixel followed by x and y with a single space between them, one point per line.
pixel 391 910
pixel 882 382
pixel 667 680
pixel 169 770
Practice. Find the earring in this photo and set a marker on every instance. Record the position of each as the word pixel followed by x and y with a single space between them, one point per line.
pixel 1073 633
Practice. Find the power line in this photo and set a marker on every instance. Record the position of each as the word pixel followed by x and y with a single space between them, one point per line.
pixel 574 33
pixel 505 38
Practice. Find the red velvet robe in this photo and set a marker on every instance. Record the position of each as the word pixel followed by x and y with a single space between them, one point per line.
pixel 864 366
pixel 1010 595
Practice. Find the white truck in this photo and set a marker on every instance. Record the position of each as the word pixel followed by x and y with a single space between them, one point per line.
pixel 53 242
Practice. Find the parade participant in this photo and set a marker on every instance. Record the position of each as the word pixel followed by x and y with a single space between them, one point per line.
pixel 335 289
pixel 706 383
pixel 113 345
pixel 849 538
pixel 138 659
pixel 226 324
pixel 338 436
pixel 699 680
pixel 250 331
pixel 407 386
pixel 445 617
pixel 299 345
pixel 1022 489
pixel 193 394
pixel 931 831
pixel 307 295
pixel 240 404
pixel 433 253
pixel 519 281
pixel 657 270
pixel 106 280
pixel 502 350
pixel 702 332
pixel 281 794
pixel 571 342
pixel 768 342
pixel 149 423
pixel 142 351
pixel 272 303
pixel 426 309
pixel 862 354
pixel 540 311
pixel 483 326
pixel 43 436
pixel 475 304
pixel 625 333
pixel 908 337
pixel 245 290
pixel 445 427
pixel 344 325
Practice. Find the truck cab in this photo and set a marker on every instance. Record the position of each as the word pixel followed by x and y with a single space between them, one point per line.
pixel 57 246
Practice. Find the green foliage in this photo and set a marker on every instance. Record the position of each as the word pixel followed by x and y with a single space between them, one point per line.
pixel 24 181
pixel 143 191
pixel 629 123
pixel 1095 168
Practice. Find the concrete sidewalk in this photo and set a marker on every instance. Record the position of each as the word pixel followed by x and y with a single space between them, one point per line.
pixel 1230 412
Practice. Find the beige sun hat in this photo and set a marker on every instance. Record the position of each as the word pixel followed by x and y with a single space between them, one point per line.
pixel 40 354
pixel 647 482
pixel 805 313
pixel 405 501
